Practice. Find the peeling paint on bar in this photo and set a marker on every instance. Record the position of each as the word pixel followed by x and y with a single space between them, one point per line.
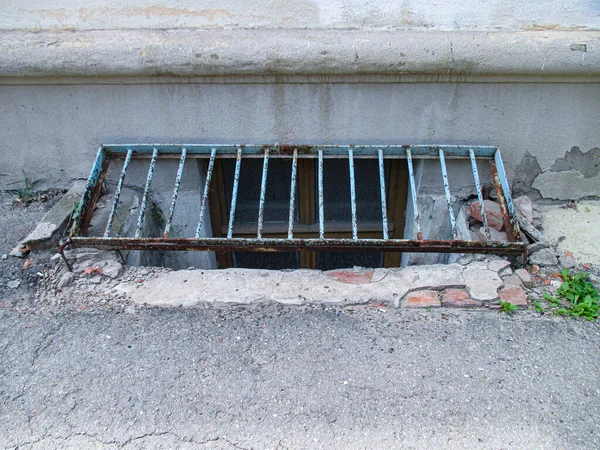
pixel 263 194
pixel 383 197
pixel 140 223
pixel 113 208
pixel 293 194
pixel 321 200
pixel 488 237
pixel 352 195
pixel 175 193
pixel 234 192
pixel 209 171
pixel 447 192
pixel 413 192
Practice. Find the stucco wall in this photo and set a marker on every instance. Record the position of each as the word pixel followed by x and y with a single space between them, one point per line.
pixel 408 14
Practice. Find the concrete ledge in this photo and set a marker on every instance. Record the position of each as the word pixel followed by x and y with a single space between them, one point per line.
pixel 441 55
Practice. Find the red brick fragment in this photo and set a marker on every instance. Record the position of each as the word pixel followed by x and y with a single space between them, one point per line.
pixel 421 299
pixel 514 295
pixel 351 277
pixel 492 213
pixel 458 298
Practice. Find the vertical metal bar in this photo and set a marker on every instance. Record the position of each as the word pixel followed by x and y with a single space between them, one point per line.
pixel 413 192
pixel 263 193
pixel 234 192
pixel 113 209
pixel 488 237
pixel 209 171
pixel 352 194
pixel 140 222
pixel 321 200
pixel 293 194
pixel 384 218
pixel 447 191
pixel 504 198
pixel 175 193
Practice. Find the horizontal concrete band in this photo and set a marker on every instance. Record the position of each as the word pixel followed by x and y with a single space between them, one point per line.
pixel 218 53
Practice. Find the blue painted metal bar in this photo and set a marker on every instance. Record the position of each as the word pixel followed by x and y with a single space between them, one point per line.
pixel 447 192
pixel 175 193
pixel 140 223
pixel 234 192
pixel 293 194
pixel 304 151
pixel 321 198
pixel 512 216
pixel 352 195
pixel 113 209
pixel 413 192
pixel 488 236
pixel 209 171
pixel 384 218
pixel 263 193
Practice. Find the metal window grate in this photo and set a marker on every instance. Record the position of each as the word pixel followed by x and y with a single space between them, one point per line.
pixel 154 153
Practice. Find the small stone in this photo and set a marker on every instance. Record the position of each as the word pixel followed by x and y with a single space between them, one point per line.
pixel 421 299
pixel 482 284
pixel 495 235
pixel 492 213
pixel 498 264
pixel 4 256
pixel 465 259
pixel 535 268
pixel 130 309
pixel 524 207
pixel 20 251
pixel 524 276
pixel 65 279
pixel 537 246
pixel 567 261
pixel 512 281
pixel 458 298
pixel 513 295
pixel 13 284
pixel 544 257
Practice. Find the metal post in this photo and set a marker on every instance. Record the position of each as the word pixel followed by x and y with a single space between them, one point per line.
pixel 234 192
pixel 293 194
pixel 383 198
pixel 140 223
pixel 321 201
pixel 352 194
pixel 113 209
pixel 175 193
pixel 209 171
pixel 488 236
pixel 413 192
pixel 447 191
pixel 263 193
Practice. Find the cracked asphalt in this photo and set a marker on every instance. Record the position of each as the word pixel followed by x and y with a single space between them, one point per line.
pixel 289 377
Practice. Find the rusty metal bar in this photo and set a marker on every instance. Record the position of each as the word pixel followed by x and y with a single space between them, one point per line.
pixel 488 236
pixel 511 222
pixel 234 192
pixel 383 197
pixel 321 197
pixel 175 193
pixel 263 193
pixel 352 195
pixel 140 222
pixel 413 192
pixel 447 192
pixel 287 245
pixel 293 194
pixel 113 208
pixel 209 171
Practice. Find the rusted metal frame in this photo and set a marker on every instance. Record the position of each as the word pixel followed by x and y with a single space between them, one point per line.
pixel 175 193
pixel 140 222
pixel 234 193
pixel 321 197
pixel 304 151
pixel 488 236
pixel 286 245
pixel 209 171
pixel 413 192
pixel 115 203
pixel 292 194
pixel 263 194
pixel 383 198
pixel 447 192
pixel 90 196
pixel 511 222
pixel 352 195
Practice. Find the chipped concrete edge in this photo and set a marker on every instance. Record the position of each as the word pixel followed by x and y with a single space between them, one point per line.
pixel 400 54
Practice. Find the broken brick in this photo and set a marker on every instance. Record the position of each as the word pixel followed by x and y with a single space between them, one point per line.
pixel 458 298
pixel 514 295
pixel 524 276
pixel 492 213
pixel 422 299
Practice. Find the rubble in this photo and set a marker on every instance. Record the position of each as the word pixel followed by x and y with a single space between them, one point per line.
pixel 492 213
pixel 543 257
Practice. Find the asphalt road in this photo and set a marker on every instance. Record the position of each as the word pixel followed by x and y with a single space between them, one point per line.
pixel 275 377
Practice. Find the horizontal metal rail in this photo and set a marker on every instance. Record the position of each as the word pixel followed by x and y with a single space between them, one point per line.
pixel 381 153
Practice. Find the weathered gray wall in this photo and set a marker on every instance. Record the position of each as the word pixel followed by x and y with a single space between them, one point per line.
pixel 414 14
pixel 53 131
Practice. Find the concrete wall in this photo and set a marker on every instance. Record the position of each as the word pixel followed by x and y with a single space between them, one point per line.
pixel 407 14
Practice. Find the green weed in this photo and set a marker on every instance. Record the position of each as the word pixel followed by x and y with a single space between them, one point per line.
pixel 507 307
pixel 27 193
pixel 576 297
